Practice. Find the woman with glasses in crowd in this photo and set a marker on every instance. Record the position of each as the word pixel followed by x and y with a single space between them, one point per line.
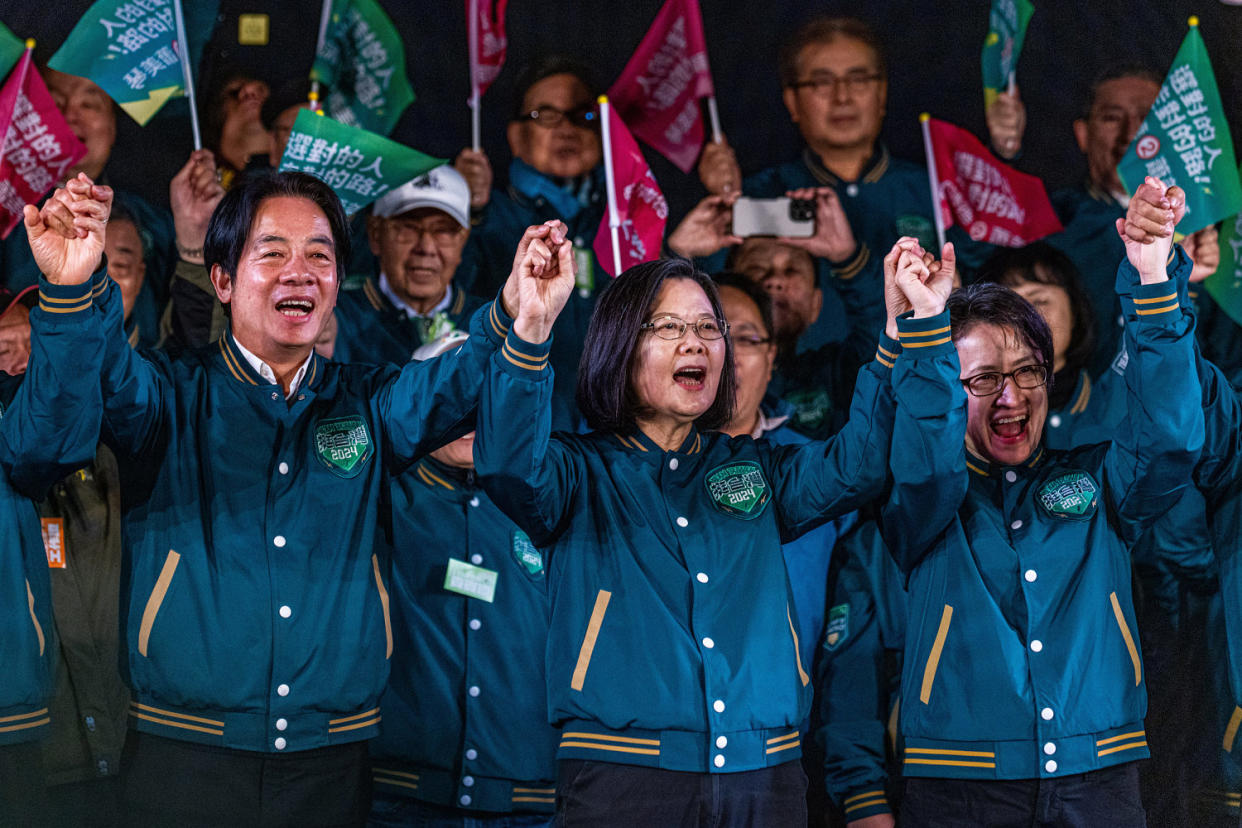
pixel 674 669
pixel 1023 687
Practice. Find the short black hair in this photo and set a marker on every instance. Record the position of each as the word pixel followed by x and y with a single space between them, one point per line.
pixel 1042 263
pixel 546 66
pixel 1117 71
pixel 293 92
pixel 993 304
pixel 825 30
pixel 753 292
pixel 231 222
pixel 605 393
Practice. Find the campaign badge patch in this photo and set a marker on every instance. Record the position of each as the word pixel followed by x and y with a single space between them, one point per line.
pixel 739 489
pixel 526 554
pixel 344 445
pixel 1072 495
pixel 838 626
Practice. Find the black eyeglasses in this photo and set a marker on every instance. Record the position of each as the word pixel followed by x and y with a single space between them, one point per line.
pixel 991 382
pixel 583 117
pixel 750 342
pixel 673 327
pixel 825 85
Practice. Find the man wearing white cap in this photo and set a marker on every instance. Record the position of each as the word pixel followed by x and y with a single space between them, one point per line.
pixel 417 232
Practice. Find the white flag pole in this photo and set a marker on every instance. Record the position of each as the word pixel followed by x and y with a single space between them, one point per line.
pixel 614 222
pixel 932 181
pixel 472 36
pixel 1013 83
pixel 714 117
pixel 325 15
pixel 186 74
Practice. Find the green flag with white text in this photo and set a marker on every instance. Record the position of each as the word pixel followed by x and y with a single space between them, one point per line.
pixel 127 47
pixel 362 62
pixel 1225 285
pixel 1006 31
pixel 359 166
pixel 11 49
pixel 1184 140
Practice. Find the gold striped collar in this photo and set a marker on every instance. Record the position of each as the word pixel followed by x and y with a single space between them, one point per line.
pixel 637 441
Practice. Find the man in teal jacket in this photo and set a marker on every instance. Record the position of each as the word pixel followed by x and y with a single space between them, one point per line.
pixel 256 610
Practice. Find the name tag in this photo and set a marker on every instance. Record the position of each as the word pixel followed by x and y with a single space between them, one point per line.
pixel 584 279
pixel 471 581
pixel 54 541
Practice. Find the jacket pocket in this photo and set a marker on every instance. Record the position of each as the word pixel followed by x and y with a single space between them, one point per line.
pixel 588 640
pixel 1129 639
pixel 156 600
pixel 34 619
pixel 383 596
pixel 933 658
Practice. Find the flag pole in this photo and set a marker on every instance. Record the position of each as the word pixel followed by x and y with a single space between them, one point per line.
pixel 1013 83
pixel 472 39
pixel 325 14
pixel 187 75
pixel 714 117
pixel 931 179
pixel 614 223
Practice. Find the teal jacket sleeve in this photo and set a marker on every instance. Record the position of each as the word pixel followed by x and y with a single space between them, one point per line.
pixel 431 403
pixel 1154 452
pixel 817 481
pixel 531 477
pixel 929 440
pixel 52 425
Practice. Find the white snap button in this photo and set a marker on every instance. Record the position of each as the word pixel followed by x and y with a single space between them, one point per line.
pixel 474 501
pixel 851 190
pixel 1051 766
pixel 672 464
pixel 1017 524
pixel 275 396
pixel 468 781
pixel 474 691
pixel 1011 476
pixel 282 724
pixel 285 612
pixel 282 690
pixel 475 623
pixel 722 741
pixel 283 468
pixel 718 706
pixel 682 522
pixel 708 643
pixel 1030 576
pixel 280 743
pixel 1046 714
pixel 1049 748
pixel 701 577
pixel 1036 646
pixel 472 754
pixel 719 760
pixel 476 559
pixel 278 541
pixel 1055 421
pixel 465 799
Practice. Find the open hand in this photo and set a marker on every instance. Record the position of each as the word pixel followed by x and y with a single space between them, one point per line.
pixel 1147 229
pixel 833 239
pixel 193 195
pixel 706 228
pixel 67 234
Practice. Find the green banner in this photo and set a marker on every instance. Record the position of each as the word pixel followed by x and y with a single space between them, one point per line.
pixel 126 46
pixel 1184 140
pixel 362 62
pixel 359 166
pixel 11 49
pixel 1225 285
pixel 1006 31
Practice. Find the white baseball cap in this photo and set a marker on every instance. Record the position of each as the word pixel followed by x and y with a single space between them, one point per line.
pixel 443 188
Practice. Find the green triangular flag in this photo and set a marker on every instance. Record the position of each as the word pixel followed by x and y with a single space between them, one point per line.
pixel 362 62
pixel 11 50
pixel 1225 285
pixel 1006 31
pixel 126 48
pixel 1184 140
pixel 359 166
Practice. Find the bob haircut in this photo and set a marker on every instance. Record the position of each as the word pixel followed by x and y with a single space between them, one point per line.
pixel 987 303
pixel 546 66
pixel 605 394
pixel 1041 263
pixel 230 225
pixel 753 292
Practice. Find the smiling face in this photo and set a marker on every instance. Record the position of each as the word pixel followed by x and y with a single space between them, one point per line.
pixel 419 252
pixel 1104 135
pixel 675 380
pixel 846 115
pixel 286 282
pixel 1004 427
pixel 564 150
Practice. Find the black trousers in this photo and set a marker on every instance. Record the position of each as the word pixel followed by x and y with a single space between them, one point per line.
pixel 23 798
pixel 1107 798
pixel 607 794
pixel 168 782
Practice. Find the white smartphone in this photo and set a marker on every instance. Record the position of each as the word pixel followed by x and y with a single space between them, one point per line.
pixel 789 217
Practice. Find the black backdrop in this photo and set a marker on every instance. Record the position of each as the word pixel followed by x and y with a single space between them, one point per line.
pixel 933 65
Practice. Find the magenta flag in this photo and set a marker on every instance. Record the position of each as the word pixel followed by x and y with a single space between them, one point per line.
pixel 659 89
pixel 993 202
pixel 38 146
pixel 641 208
pixel 485 63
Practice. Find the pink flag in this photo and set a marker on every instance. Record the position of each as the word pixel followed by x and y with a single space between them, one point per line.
pixel 485 63
pixel 659 89
pixel 993 202
pixel 38 146
pixel 641 208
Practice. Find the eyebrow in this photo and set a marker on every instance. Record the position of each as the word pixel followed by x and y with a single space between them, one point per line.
pixel 272 238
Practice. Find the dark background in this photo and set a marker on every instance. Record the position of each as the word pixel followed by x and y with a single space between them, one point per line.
pixel 933 65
